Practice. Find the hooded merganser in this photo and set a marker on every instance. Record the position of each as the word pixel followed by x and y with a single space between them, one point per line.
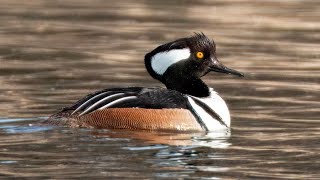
pixel 186 104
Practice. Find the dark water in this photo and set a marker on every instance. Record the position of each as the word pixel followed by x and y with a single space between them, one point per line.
pixel 54 52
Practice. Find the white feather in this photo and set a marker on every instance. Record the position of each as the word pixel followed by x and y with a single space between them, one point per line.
pixel 88 101
pixel 117 101
pixel 100 101
pixel 163 60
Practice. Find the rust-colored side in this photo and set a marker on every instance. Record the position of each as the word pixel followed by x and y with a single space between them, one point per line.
pixel 129 118
pixel 140 118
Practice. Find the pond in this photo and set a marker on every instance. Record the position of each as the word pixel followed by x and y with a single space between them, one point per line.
pixel 54 52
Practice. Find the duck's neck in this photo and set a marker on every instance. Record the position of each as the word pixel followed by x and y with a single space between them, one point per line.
pixel 188 85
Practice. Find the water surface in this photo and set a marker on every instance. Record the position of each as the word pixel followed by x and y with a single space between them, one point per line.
pixel 54 52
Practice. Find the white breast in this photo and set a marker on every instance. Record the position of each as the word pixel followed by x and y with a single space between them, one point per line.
pixel 215 103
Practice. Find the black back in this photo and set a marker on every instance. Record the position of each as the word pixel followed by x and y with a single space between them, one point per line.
pixel 152 98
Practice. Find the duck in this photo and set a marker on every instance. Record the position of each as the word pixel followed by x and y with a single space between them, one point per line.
pixel 186 103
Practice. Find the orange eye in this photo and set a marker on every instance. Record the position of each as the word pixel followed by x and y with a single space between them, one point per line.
pixel 199 55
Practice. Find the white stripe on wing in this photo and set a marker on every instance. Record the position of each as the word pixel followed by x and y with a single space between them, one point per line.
pixel 99 102
pixel 89 100
pixel 118 101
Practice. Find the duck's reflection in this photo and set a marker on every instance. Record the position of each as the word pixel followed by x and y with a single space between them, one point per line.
pixel 174 153
pixel 208 139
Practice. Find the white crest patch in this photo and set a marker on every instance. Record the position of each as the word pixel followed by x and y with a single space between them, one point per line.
pixel 162 61
pixel 217 104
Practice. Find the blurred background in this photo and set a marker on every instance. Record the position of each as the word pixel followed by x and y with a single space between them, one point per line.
pixel 52 53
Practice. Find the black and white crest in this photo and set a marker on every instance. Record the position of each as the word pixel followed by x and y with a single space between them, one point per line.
pixel 200 42
pixel 160 59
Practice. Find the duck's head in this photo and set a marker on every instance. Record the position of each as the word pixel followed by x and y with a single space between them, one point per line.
pixel 180 64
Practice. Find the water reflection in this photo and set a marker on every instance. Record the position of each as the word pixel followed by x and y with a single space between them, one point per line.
pixel 212 139
pixel 146 154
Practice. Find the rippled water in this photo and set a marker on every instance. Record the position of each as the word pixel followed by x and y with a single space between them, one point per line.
pixel 54 52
